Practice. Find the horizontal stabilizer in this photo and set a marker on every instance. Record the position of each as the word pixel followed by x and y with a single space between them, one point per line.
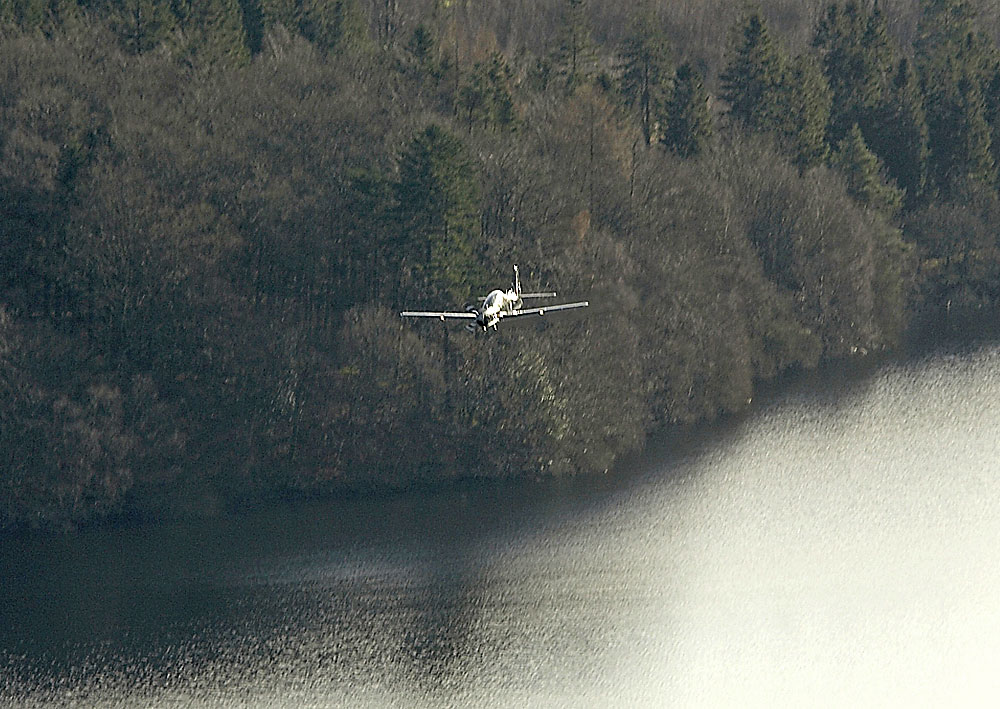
pixel 547 294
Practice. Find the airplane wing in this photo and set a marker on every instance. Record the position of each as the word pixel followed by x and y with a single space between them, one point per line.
pixel 439 316
pixel 549 309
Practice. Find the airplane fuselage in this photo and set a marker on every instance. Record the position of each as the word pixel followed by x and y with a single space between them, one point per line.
pixel 495 305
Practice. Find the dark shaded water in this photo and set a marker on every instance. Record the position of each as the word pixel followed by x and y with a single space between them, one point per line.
pixel 837 547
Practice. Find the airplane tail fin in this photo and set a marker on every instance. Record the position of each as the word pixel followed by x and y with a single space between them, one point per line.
pixel 520 295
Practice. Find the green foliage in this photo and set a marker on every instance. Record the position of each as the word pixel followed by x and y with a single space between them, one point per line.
pixel 484 96
pixel 334 26
pixel 864 172
pixel 752 75
pixel 437 197
pixel 959 135
pixel 574 53
pixel 689 124
pixel 767 92
pixel 804 111
pixel 474 96
pixel 858 56
pixel 900 135
pixel 253 24
pixel 955 64
pixel 501 79
pixel 645 78
pixel 213 216
pixel 943 22
pixel 142 25
pixel 422 45
pixel 991 95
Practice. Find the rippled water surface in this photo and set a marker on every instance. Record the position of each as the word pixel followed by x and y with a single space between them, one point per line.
pixel 839 546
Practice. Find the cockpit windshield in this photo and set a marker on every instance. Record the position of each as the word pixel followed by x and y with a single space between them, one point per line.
pixel 493 300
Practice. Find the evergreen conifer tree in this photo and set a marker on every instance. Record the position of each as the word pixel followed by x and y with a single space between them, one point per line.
pixel 865 174
pixel 991 94
pixel 976 133
pixel 422 45
pixel 688 122
pixel 438 208
pixel 474 96
pixel 574 55
pixel 253 24
pixel 857 58
pixel 943 22
pixel 752 75
pixel 335 26
pixel 958 131
pixel 805 101
pixel 645 74
pixel 485 96
pixel 499 77
pixel 142 24
pixel 184 10
pixel 899 136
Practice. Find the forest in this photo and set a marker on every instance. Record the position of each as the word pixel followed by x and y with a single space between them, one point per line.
pixel 211 214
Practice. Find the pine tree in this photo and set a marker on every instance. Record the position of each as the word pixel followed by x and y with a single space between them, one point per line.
pixel 438 208
pixel 976 141
pixel 142 24
pixel 485 96
pixel 499 77
pixel 955 65
pixel 474 96
pixel 688 122
pixel 422 46
pixel 336 26
pixel 864 173
pixel 253 24
pixel 752 75
pixel 858 57
pixel 645 73
pixel 958 132
pixel 574 55
pixel 992 96
pixel 804 100
pixel 943 22
pixel 899 136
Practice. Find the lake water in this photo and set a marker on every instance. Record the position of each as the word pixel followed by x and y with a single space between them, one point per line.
pixel 839 545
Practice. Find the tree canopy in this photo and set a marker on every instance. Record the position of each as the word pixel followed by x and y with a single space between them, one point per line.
pixel 212 214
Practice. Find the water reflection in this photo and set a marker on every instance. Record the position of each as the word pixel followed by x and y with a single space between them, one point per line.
pixel 836 547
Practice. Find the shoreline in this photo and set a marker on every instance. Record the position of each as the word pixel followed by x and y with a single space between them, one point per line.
pixel 928 334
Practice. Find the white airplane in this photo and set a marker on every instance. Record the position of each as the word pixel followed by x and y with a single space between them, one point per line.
pixel 496 306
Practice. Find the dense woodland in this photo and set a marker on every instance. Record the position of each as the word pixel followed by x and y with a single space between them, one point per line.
pixel 211 214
